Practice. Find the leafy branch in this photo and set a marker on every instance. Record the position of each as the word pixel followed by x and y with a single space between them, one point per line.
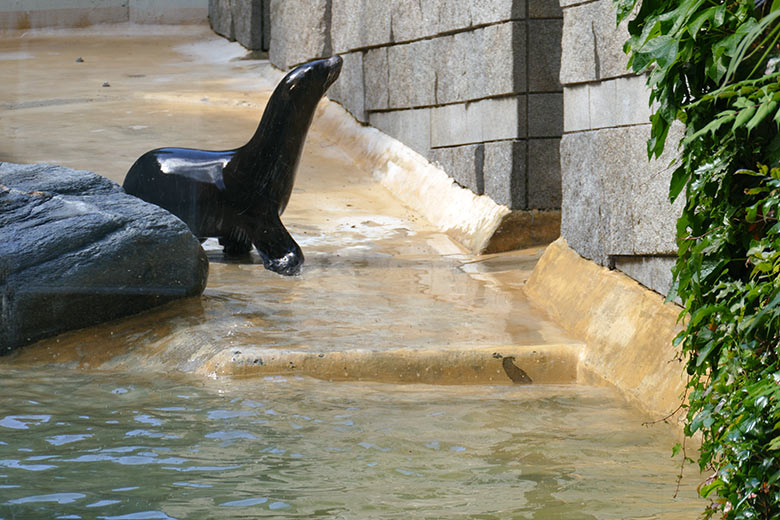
pixel 713 65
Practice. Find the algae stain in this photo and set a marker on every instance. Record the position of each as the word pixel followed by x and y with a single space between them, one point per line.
pixel 23 21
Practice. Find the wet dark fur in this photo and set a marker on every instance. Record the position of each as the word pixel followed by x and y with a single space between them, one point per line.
pixel 238 195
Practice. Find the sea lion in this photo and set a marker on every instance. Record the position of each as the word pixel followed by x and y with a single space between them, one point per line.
pixel 238 195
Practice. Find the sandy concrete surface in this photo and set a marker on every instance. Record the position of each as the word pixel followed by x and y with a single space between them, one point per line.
pixel 628 328
pixel 384 295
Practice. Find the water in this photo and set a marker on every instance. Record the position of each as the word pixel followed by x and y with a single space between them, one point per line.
pixel 85 445
pixel 136 444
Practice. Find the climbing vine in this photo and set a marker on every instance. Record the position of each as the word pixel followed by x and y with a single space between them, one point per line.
pixel 713 65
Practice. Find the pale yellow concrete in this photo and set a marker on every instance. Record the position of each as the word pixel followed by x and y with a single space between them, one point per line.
pixel 479 364
pixel 385 294
pixel 628 329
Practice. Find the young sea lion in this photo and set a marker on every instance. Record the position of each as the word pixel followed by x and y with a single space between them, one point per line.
pixel 238 195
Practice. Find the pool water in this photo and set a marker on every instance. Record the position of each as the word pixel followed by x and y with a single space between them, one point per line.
pixel 89 445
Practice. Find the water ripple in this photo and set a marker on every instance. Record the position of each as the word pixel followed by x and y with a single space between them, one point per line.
pixel 59 440
pixel 23 422
pixel 17 464
pixel 60 498
pixel 143 515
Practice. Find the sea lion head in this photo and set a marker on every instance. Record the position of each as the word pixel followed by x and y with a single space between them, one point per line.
pixel 312 79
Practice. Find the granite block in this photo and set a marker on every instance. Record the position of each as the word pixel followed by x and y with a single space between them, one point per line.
pixel 544 174
pixel 654 272
pixel 486 120
pixel 359 24
pixel 544 9
pixel 248 23
pixel 503 59
pixel 545 115
pixel 301 32
pixel 602 100
pixel 592 43
pixel 485 12
pixel 348 89
pixel 412 77
pixel 413 19
pixel 411 127
pixel 579 59
pixel 463 164
pixel 453 15
pixel 582 215
pixel 544 55
pixel 221 17
pixel 504 171
pixel 376 78
pixel 459 67
pixel 576 108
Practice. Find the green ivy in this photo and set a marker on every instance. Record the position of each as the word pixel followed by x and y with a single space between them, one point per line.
pixel 712 65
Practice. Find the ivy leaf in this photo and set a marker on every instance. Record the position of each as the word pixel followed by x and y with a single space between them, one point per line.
pixel 679 180
pixel 663 50
pixel 676 449
pixel 713 126
pixel 720 14
pixel 763 111
pixel 745 115
pixel 696 25
pixel 707 489
pixel 704 352
pixel 751 324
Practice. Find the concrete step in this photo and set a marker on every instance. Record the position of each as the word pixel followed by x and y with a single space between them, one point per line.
pixel 495 364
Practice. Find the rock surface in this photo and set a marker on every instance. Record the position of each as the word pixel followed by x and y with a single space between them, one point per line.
pixel 75 250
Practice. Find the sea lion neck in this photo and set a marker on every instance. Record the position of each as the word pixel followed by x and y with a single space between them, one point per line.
pixel 269 161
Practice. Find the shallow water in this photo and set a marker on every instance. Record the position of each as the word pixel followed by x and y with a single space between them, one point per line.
pixel 85 445
pixel 374 279
pixel 141 445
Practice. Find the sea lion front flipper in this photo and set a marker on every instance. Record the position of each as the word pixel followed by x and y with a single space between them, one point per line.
pixel 280 253
pixel 237 243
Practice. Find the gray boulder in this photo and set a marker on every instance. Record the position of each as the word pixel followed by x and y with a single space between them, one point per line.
pixel 76 250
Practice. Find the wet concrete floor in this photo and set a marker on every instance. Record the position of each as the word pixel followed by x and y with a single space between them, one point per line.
pixel 383 295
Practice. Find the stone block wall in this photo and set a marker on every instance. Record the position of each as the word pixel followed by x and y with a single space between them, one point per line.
pixel 615 208
pixel 246 21
pixel 470 84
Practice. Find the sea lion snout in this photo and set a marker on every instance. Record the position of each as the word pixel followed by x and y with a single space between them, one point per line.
pixel 334 64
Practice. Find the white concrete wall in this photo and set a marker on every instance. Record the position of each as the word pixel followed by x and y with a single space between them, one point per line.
pixel 31 14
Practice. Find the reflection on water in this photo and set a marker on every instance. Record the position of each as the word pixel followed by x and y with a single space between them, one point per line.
pixel 77 445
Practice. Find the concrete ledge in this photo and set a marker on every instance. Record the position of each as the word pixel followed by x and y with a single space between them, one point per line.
pixel 475 221
pixel 470 219
pixel 521 229
pixel 544 364
pixel 628 330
